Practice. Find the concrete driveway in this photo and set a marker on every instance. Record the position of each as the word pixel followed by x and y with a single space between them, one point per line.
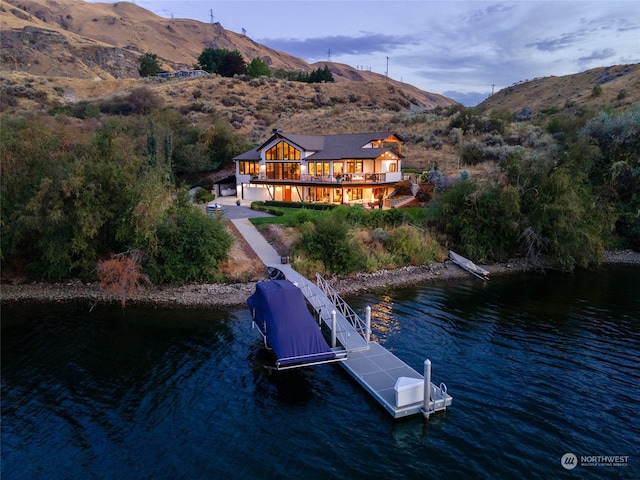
pixel 233 211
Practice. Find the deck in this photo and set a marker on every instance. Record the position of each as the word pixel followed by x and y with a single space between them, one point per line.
pixel 375 368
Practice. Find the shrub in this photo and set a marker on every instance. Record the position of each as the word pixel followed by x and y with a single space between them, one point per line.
pixel 411 246
pixel 404 187
pixel 425 191
pixel 207 183
pixel 379 235
pixel 121 274
pixel 472 152
pixel 201 196
pixel 301 216
pixel 191 244
pixel 329 241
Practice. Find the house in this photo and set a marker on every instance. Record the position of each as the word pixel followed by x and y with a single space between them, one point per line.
pixel 349 168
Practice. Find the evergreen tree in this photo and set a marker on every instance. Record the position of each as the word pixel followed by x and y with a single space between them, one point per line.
pixel 232 64
pixel 211 58
pixel 148 65
pixel 258 68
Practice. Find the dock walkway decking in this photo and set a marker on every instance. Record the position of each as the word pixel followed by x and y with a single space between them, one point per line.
pixel 375 368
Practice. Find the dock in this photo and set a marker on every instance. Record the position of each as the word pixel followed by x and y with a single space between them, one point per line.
pixel 399 388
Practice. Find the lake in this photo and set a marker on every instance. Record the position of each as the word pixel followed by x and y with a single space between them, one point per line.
pixel 539 366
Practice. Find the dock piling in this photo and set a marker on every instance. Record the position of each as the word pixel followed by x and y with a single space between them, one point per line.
pixel 368 325
pixel 427 387
pixel 333 328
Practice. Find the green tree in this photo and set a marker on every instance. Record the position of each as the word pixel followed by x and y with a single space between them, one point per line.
pixel 222 61
pixel 232 64
pixel 148 65
pixel 211 58
pixel 258 68
pixel 191 245
pixel 330 241
pixel 223 144
pixel 479 220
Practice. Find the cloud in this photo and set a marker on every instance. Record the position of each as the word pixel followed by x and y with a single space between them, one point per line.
pixel 566 40
pixel 597 55
pixel 365 44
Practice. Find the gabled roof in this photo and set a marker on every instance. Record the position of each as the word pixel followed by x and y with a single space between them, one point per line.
pixel 329 147
pixel 251 155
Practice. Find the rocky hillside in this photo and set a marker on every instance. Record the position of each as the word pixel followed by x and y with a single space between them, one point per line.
pixel 614 87
pixel 103 41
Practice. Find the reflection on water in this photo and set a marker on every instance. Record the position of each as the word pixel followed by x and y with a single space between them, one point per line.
pixel 538 366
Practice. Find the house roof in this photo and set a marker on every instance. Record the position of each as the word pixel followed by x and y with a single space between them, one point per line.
pixel 329 147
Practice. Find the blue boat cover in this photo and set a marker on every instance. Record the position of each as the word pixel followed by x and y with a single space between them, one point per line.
pixel 280 311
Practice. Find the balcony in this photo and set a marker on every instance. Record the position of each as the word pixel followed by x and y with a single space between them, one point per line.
pixel 346 178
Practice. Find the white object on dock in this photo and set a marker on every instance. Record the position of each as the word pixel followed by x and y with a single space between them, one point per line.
pixel 409 390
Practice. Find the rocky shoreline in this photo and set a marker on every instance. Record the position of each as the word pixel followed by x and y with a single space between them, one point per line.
pixel 233 295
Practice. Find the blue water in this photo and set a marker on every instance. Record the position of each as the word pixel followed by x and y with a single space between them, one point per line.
pixel 538 366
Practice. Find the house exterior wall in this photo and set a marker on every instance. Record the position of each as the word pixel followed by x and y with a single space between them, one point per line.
pixel 293 174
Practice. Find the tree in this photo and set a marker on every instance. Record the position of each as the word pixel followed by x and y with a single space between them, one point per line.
pixel 210 59
pixel 232 64
pixel 148 65
pixel 258 68
pixel 121 274
pixel 330 241
pixel 191 245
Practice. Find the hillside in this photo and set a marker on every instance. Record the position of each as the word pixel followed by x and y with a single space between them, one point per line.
pixel 619 87
pixel 103 41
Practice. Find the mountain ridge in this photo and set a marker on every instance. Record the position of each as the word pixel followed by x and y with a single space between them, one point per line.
pixel 104 41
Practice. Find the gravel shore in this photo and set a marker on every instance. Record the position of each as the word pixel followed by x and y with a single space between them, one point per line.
pixel 231 295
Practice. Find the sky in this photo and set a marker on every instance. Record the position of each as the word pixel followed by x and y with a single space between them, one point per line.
pixel 463 49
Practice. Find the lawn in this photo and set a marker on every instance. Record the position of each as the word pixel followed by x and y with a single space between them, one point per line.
pixel 288 216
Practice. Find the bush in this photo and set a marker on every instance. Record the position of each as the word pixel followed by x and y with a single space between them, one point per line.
pixel 379 235
pixel 191 245
pixel 425 192
pixel 203 196
pixel 411 246
pixel 472 152
pixel 329 241
pixel 404 187
pixel 207 183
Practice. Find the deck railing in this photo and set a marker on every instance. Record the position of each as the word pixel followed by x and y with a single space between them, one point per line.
pixel 342 306
pixel 364 177
pixel 323 316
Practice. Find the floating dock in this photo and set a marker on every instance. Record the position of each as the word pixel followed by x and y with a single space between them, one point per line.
pixel 400 389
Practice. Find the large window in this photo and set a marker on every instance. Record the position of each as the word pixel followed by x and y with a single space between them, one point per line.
pixel 354 166
pixel 319 169
pixel 282 151
pixel 283 171
pixel 249 168
pixel 355 194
